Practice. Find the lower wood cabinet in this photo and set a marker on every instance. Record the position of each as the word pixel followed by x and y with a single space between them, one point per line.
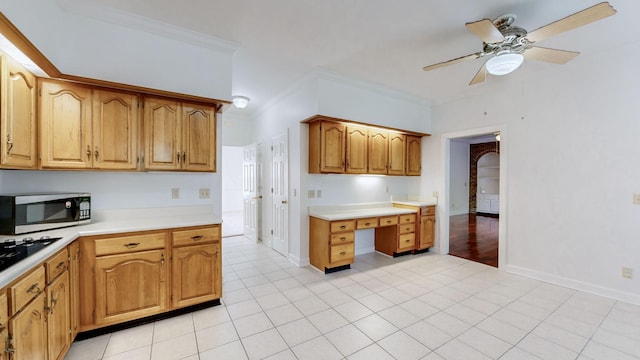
pixel 425 229
pixel 130 286
pixel 331 243
pixel 129 276
pixel 28 331
pixel 58 317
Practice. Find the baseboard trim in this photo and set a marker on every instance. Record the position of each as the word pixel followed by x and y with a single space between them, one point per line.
pixel 575 284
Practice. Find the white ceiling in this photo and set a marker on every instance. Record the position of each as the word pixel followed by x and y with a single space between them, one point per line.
pixel 379 41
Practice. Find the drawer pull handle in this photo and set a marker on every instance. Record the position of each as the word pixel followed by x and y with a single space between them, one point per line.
pixel 60 265
pixel 367 224
pixel 388 221
pixel 343 238
pixel 407 241
pixel 343 253
pixel 34 289
pixel 131 245
pixel 343 227
pixel 197 237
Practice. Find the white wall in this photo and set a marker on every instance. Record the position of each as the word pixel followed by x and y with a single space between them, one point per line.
pixel 572 153
pixel 459 178
pixel 127 49
pixel 231 171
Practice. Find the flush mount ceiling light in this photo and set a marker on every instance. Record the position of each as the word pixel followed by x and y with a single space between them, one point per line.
pixel 240 102
pixel 504 63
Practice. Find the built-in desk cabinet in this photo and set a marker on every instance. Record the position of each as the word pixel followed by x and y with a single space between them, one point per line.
pixel 17 116
pixel 425 231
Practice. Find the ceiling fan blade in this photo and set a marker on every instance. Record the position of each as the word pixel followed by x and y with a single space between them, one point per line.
pixel 486 31
pixel 480 76
pixel 554 56
pixel 581 18
pixel 453 61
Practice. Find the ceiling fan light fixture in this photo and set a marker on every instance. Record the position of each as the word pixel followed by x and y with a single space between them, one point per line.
pixel 503 64
pixel 240 102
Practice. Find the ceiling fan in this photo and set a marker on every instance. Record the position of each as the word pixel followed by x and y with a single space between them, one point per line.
pixel 509 45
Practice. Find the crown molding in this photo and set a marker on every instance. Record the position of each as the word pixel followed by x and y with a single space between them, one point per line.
pixel 141 23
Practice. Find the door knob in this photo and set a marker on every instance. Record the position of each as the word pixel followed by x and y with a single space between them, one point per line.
pixel 284 201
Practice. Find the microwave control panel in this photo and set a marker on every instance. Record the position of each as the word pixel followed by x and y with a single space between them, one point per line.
pixel 85 209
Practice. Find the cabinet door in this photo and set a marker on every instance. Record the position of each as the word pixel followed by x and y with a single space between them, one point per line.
pixel 130 286
pixel 356 150
pixel 378 151
pixel 28 330
pixel 196 274
pixel 199 140
pixel 414 155
pixel 427 231
pixel 74 287
pixel 162 134
pixel 332 147
pixel 18 116
pixel 58 319
pixel 115 130
pixel 65 125
pixel 397 151
pixel 4 323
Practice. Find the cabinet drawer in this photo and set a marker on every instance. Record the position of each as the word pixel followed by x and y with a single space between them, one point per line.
pixel 346 225
pixel 406 241
pixel 132 243
pixel 56 265
pixel 407 218
pixel 428 210
pixel 341 252
pixel 407 228
pixel 367 223
pixel 389 220
pixel 196 236
pixel 342 238
pixel 26 289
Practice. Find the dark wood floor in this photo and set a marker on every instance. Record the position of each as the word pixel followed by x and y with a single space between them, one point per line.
pixel 474 237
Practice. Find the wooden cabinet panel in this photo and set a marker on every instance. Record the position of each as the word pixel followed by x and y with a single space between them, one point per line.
pixel 341 238
pixel 196 236
pixel 26 289
pixel 406 241
pixel 129 243
pixel 74 287
pixel 199 140
pixel 59 317
pixel 130 286
pixel 406 228
pixel 326 147
pixel 427 231
pixel 414 155
pixel 367 223
pixel 18 119
pixel 28 330
pixel 115 130
pixel 162 134
pixel 65 125
pixel 196 274
pixel 56 265
pixel 407 218
pixel 356 150
pixel 340 254
pixel 388 220
pixel 345 225
pixel 397 149
pixel 378 152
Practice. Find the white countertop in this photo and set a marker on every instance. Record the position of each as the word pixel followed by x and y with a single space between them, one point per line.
pixel 416 203
pixel 110 222
pixel 359 211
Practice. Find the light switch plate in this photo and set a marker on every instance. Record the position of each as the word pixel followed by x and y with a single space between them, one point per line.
pixel 636 199
pixel 311 194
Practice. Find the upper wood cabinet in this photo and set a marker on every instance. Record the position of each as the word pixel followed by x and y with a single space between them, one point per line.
pixel 84 128
pixel 397 154
pixel 414 155
pixel 18 116
pixel 327 147
pixel 179 136
pixel 378 152
pixel 341 146
pixel 115 130
pixel 357 137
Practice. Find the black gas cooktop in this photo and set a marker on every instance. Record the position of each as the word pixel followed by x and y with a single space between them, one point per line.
pixel 12 250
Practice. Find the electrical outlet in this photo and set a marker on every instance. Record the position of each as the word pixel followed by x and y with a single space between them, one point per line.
pixel 205 193
pixel 436 194
pixel 636 199
pixel 318 193
pixel 175 193
pixel 311 194
pixel 627 272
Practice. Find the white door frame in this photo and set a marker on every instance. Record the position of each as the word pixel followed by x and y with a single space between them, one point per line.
pixel 445 206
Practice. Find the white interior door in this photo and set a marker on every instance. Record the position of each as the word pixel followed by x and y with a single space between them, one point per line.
pixel 280 192
pixel 251 192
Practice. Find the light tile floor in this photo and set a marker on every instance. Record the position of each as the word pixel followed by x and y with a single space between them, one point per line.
pixel 424 306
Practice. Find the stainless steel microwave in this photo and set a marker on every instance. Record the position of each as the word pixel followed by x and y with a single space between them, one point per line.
pixel 26 213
